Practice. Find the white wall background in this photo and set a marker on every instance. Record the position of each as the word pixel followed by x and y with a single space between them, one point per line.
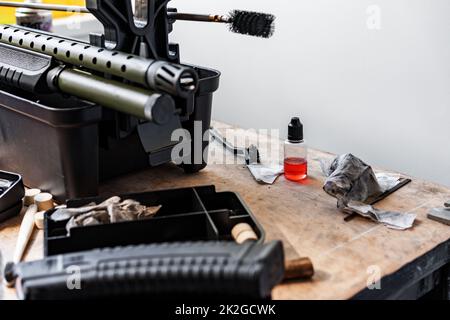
pixel 383 95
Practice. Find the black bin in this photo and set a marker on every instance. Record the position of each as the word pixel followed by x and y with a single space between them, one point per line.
pixel 55 142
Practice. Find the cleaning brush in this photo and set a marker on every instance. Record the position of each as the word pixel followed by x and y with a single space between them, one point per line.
pixel 252 23
pixel 243 22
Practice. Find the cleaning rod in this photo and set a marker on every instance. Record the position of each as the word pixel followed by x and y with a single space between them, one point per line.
pixel 43 6
pixel 243 22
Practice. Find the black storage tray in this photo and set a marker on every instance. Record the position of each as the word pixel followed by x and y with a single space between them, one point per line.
pixel 188 214
pixel 11 198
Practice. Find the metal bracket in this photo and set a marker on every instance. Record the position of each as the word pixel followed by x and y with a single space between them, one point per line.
pixel 122 33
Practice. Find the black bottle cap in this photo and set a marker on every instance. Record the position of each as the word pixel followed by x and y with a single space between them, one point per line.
pixel 295 130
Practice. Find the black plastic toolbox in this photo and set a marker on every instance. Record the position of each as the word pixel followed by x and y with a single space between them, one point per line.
pixel 65 145
pixel 188 214
pixel 11 195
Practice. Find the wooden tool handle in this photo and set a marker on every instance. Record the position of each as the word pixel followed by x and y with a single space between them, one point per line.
pixel 25 231
pixel 301 268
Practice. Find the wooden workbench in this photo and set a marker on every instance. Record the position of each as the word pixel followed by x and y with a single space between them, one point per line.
pixel 304 218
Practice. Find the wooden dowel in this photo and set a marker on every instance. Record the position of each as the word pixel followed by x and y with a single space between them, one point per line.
pixel 301 268
pixel 25 231
pixel 44 201
pixel 28 200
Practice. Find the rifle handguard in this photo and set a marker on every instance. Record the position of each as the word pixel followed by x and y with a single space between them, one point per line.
pixel 157 75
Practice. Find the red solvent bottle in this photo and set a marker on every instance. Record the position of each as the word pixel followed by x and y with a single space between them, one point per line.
pixel 295 152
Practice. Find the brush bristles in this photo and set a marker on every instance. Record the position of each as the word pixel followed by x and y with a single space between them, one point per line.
pixel 252 23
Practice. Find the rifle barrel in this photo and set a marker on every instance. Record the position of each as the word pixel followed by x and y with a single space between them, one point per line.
pixel 115 95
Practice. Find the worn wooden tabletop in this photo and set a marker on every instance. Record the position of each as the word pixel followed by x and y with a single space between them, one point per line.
pixel 301 215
